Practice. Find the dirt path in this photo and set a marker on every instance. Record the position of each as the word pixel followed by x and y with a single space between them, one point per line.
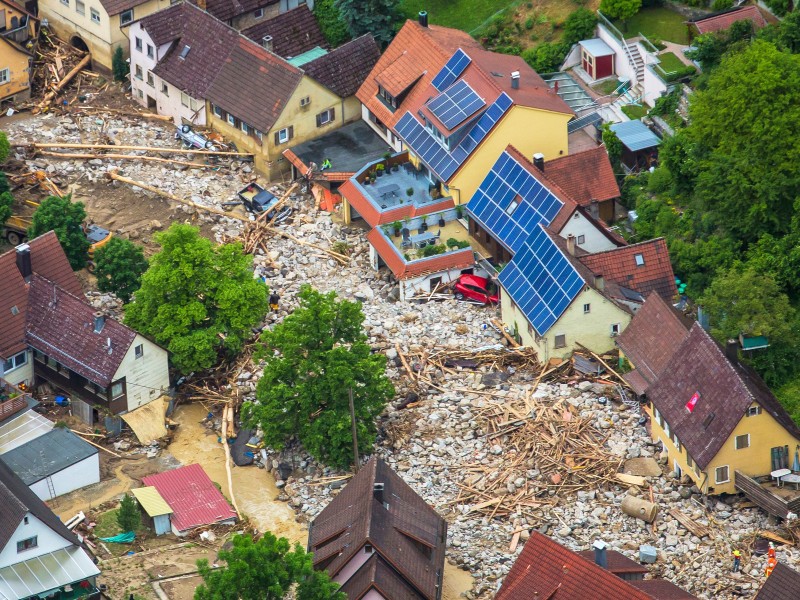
pixel 254 488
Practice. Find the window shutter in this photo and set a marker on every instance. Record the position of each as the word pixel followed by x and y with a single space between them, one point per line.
pixel 277 139
pixel 319 120
pixel 333 114
pixel 291 131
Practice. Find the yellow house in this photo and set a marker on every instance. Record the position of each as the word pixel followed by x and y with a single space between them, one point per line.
pixel 16 23
pixel 15 71
pixel 716 419
pixel 266 105
pixel 99 26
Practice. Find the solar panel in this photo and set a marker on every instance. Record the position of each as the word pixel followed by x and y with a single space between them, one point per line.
pixel 457 103
pixel 506 181
pixel 452 70
pixel 422 143
pixel 541 281
pixel 488 120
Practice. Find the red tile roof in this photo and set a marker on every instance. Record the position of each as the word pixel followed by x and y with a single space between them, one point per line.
pixel 726 390
pixel 343 70
pixel 192 496
pixel 459 259
pixel 661 589
pixel 225 10
pixel 48 260
pixel 398 526
pixel 546 570
pixel 617 562
pixel 293 32
pixel 585 176
pixel 374 217
pixel 619 265
pixel 115 7
pixel 654 334
pixel 782 584
pixel 725 20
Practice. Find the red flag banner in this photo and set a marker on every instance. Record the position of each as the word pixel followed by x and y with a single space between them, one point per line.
pixel 693 402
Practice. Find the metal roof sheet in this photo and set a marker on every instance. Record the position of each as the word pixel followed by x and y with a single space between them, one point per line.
pixel 45 572
pixel 151 501
pixel 22 429
pixel 307 56
pixel 597 47
pixel 48 454
pixel 635 135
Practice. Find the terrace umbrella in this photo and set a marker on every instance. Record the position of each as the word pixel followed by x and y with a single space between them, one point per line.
pixel 796 463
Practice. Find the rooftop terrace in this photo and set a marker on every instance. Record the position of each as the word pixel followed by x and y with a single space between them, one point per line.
pixel 348 148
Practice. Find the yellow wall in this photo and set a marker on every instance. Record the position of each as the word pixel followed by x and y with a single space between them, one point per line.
pixel 10 12
pixel 675 456
pixel 592 330
pixel 529 130
pixel 102 38
pixel 249 19
pixel 17 64
pixel 269 159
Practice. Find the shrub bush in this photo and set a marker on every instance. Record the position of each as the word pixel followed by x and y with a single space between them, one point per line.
pixel 721 4
pixel 433 250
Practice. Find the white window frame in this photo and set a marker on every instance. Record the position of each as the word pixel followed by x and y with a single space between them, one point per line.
pixel 5 76
pixel 615 329
pixel 258 13
pixel 329 118
pixel 140 93
pixel 185 99
pixel 259 135
pixel 754 411
pixel 217 111
pixel 151 81
pixel 581 239
pixel 138 351
pixel 587 308
pixel 555 340
pixel 151 51
pixel 121 390
pixel 122 20
pixel 283 135
pixel 736 441
pixel 65 2
pixel 19 360
pixel 639 259
pixel 165 89
pixel 193 104
pixel 231 120
pixel 245 128
pixel 138 72
pixel 727 474
pixel 138 44
pixel 80 7
pixel 95 15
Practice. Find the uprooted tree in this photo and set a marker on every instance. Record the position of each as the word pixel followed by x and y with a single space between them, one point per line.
pixel 266 569
pixel 65 217
pixel 312 359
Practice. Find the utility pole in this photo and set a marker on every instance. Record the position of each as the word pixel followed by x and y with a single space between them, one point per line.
pixel 353 425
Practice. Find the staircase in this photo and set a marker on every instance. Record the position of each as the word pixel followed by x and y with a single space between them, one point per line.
pixel 635 59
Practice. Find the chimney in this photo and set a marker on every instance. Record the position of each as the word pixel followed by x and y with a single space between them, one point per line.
pixel 599 282
pixel 732 351
pixel 423 18
pixel 99 321
pixel 538 161
pixel 571 244
pixel 201 4
pixel 515 80
pixel 24 261
pixel 600 557
pixel 266 42
pixel 377 492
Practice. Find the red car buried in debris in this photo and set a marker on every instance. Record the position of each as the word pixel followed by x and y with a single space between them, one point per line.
pixel 476 289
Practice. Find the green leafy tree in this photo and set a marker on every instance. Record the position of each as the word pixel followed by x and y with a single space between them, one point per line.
pixel 378 17
pixel 742 300
pixel 119 65
pixel 119 266
pixel 546 57
pixel 65 217
pixel 4 187
pixel 312 359
pixel 789 32
pixel 579 26
pixel 5 147
pixel 128 516
pixel 744 142
pixel 197 300
pixel 6 200
pixel 620 9
pixel 264 570
pixel 330 22
pixel 613 147
pixel 779 7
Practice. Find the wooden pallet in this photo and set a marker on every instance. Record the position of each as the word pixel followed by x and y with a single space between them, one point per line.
pixel 693 527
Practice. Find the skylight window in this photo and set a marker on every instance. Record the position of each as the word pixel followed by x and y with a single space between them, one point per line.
pixel 639 258
pixel 185 51
pixel 512 206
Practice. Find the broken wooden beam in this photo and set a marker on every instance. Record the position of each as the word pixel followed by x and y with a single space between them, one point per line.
pixel 49 96
pixel 37 146
pixel 174 161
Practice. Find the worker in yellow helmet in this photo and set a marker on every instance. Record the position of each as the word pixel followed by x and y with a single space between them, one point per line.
pixel 737 560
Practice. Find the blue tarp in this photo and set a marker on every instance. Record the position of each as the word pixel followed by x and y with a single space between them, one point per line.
pixel 122 538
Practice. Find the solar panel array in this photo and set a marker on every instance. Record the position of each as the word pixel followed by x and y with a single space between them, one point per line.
pixel 425 146
pixel 454 105
pixel 488 120
pixel 490 205
pixel 452 70
pixel 541 281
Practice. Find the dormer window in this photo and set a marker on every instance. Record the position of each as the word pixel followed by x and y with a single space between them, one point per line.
pixel 387 98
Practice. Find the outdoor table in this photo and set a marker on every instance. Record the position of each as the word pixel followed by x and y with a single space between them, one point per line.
pixel 390 189
pixel 776 475
pixel 794 480
pixel 421 239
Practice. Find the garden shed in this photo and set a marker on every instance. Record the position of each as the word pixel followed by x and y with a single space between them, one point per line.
pixel 640 145
pixel 597 58
pixel 156 508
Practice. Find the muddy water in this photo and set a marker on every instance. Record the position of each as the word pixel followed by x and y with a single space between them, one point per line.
pixel 254 488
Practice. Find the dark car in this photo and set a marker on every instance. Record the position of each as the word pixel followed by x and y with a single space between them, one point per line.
pixel 258 200
pixel 476 289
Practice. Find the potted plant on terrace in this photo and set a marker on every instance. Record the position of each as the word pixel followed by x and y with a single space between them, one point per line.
pixel 379 169
pixel 397 226
pixel 459 211
pixel 409 193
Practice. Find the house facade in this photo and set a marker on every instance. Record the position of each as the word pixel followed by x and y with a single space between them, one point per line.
pixel 54 335
pixel 18 32
pixel 99 26
pixel 39 556
pixel 246 13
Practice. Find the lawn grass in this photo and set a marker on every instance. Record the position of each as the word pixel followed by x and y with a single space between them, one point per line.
pixel 670 62
pixel 634 112
pixel 657 23
pixel 606 87
pixel 466 15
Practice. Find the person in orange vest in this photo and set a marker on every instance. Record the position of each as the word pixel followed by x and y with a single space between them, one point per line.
pixel 737 560
pixel 771 563
pixel 771 551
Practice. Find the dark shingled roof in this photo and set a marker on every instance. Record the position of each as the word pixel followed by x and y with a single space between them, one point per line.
pixel 782 584
pixel 398 527
pixel 61 325
pixel 654 334
pixel 17 500
pixel 47 455
pixel 726 388
pixel 48 260
pixel 209 41
pixel 661 589
pixel 254 85
pixel 115 7
pixel 293 32
pixel 343 70
pixel 617 562
pixel 225 10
